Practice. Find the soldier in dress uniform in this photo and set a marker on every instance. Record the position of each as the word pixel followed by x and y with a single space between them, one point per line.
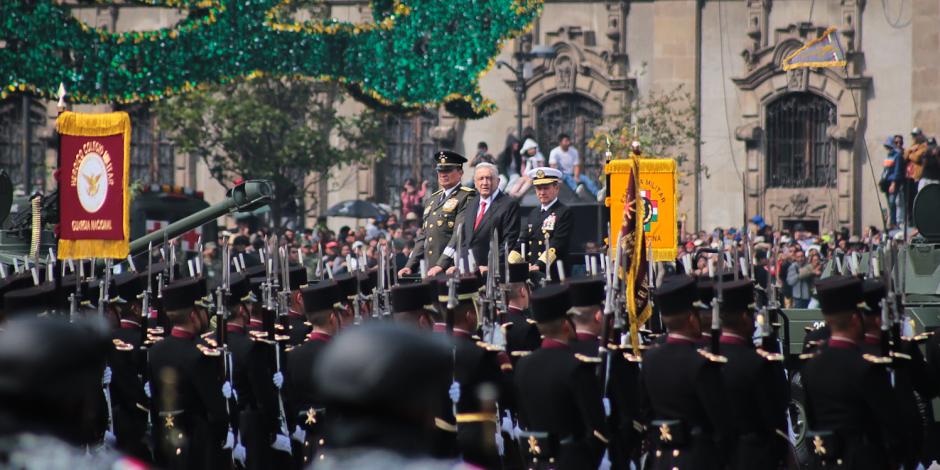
pixel 413 303
pixel 443 212
pixel 382 385
pixel 347 291
pixel 681 398
pixel 561 412
pixel 705 288
pixel 852 414
pixel 240 345
pixel 619 386
pixel 547 235
pixel 296 321
pixel 50 376
pixel 516 322
pixel 191 423
pixel 754 382
pixel 130 405
pixel 304 404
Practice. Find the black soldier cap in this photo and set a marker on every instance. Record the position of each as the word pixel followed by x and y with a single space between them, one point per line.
pixel 550 302
pixel 873 290
pixel 411 297
pixel 518 272
pixel 298 276
pixel 586 292
pixel 31 300
pixel 320 296
pixel 737 296
pixel 676 295
pixel 467 286
pixel 129 286
pixel 383 371
pixel 839 294
pixel 183 294
pixel 449 160
pixel 346 283
pixel 14 282
pixel 705 289
pixel 50 373
pixel 240 289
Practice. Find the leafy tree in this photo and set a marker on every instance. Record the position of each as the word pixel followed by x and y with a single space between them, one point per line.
pixel 663 122
pixel 285 130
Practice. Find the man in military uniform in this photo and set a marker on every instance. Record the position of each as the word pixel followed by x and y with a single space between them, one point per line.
pixel 516 322
pixel 296 321
pixel 681 398
pixel 548 233
pixel 443 212
pixel 754 382
pixel 240 345
pixel 304 404
pixel 562 415
pixel 852 415
pixel 191 423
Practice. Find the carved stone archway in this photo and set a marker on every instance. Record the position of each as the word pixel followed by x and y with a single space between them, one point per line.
pixel 831 206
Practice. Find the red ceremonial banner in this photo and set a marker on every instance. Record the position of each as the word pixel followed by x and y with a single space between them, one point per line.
pixel 93 198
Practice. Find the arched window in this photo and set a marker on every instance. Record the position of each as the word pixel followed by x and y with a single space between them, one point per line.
pixel 152 155
pixel 800 154
pixel 22 119
pixel 408 152
pixel 575 115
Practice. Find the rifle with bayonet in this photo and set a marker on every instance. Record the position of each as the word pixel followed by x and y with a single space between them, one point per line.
pixel 716 301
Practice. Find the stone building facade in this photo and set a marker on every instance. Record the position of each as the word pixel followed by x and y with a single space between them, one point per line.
pixel 798 147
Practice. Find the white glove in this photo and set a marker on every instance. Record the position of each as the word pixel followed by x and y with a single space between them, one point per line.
pixel 454 391
pixel 499 443
pixel 227 390
pixel 605 463
pixel 109 439
pixel 516 432
pixel 147 389
pixel 281 443
pixel 229 440
pixel 606 407
pixel 239 454
pixel 278 380
pixel 299 434
pixel 506 423
pixel 106 378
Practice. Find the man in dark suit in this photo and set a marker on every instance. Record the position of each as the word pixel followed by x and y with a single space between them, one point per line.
pixel 489 209
pixel 550 224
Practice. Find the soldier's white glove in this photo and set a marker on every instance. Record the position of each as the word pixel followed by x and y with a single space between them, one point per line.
pixel 605 462
pixel 299 434
pixel 606 402
pixel 109 439
pixel 229 440
pixel 516 432
pixel 106 377
pixel 238 453
pixel 278 380
pixel 498 438
pixel 454 391
pixel 506 423
pixel 147 389
pixel 228 391
pixel 281 443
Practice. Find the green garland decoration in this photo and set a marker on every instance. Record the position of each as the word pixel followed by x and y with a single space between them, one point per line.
pixel 416 53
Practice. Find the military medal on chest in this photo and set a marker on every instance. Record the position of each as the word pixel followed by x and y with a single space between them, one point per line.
pixel 450 205
pixel 549 223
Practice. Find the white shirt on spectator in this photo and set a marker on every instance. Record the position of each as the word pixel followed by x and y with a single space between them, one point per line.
pixel 564 160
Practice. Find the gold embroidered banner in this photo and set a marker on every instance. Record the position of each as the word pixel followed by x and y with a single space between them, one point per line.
pixel 94 161
pixel 658 188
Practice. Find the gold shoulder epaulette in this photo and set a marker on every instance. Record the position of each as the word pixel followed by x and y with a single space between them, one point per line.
pixel 469 190
pixel 876 359
pixel 308 324
pixel 769 355
pixel 278 326
pixel 899 355
pixel 211 352
pixel 583 358
pixel 530 321
pixel 506 325
pixel 475 337
pixel 520 353
pixel 262 339
pixel 288 349
pixel 713 357
pixel 807 356
pixel 631 358
pixel 918 338
pixel 488 346
pixel 613 346
pixel 258 334
pixel 121 345
pixel 155 331
pixel 211 342
pixel 281 338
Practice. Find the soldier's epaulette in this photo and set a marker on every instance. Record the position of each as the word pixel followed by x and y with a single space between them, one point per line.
pixel 308 324
pixel 505 326
pixel 713 357
pixel 121 345
pixel 288 349
pixel 258 334
pixel 520 353
pixel 281 338
pixel 489 347
pixel 530 321
pixel 583 358
pixel 469 190
pixel 807 356
pixel 632 358
pixel 613 346
pixel 876 359
pixel 155 331
pixel 918 338
pixel 207 334
pixel 439 191
pixel 899 355
pixel 211 352
pixel 278 326
pixel 211 342
pixel 816 342
pixel 776 357
pixel 262 339
pixel 476 337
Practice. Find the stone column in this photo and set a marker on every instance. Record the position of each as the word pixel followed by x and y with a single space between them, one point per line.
pixel 925 88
